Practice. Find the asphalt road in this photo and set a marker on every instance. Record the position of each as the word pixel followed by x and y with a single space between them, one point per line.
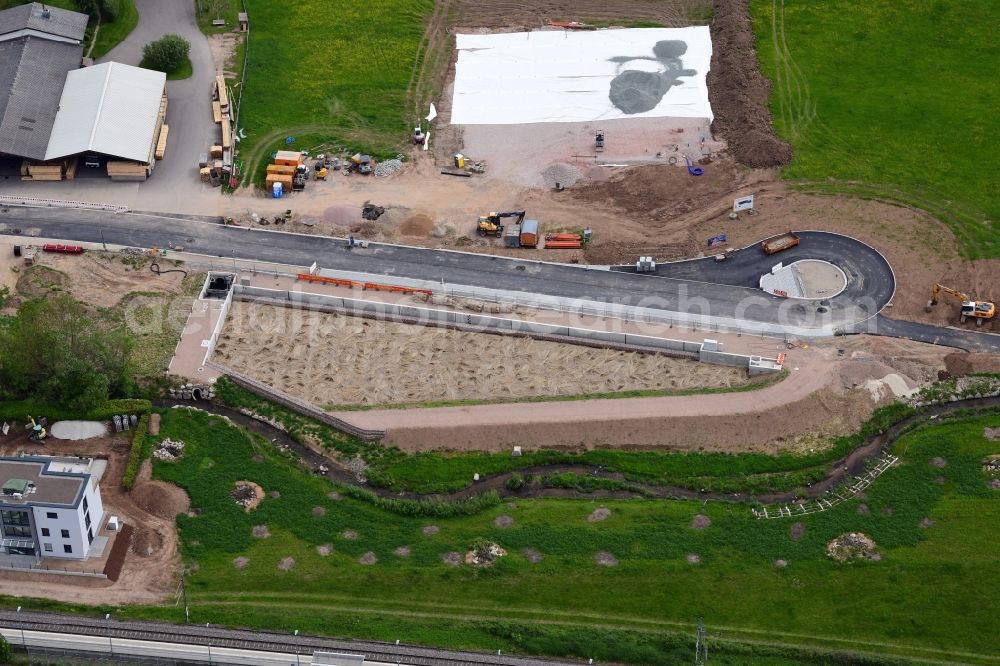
pixel 724 292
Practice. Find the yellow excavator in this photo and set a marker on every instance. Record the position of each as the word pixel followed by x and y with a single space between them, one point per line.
pixel 489 225
pixel 980 310
pixel 38 432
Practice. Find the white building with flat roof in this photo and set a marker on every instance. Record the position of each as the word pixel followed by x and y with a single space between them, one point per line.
pixel 50 506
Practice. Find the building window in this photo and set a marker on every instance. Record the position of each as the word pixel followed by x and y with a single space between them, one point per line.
pixel 17 531
pixel 14 517
pixel 67 548
pixel 90 535
pixel 85 507
pixel 65 534
pixel 48 547
pixel 86 519
pixel 52 515
pixel 45 531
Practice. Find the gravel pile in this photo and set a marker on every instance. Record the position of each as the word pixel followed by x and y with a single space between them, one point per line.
pixel 388 167
pixel 564 174
pixel 169 450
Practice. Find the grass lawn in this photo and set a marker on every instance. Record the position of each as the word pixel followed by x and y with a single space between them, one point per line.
pixel 111 34
pixel 329 71
pixel 894 100
pixel 183 72
pixel 927 597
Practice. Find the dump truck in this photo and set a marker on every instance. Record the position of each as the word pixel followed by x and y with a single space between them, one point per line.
pixel 781 242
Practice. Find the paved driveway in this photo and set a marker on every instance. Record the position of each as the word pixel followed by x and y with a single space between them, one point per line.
pixel 189 113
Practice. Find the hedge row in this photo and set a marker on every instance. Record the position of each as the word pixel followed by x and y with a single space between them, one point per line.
pixel 137 453
pixel 20 410
pixel 430 508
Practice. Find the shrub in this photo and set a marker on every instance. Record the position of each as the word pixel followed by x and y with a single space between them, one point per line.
pixel 166 54
pixel 515 482
pixel 110 9
pixel 136 455
pixel 5 651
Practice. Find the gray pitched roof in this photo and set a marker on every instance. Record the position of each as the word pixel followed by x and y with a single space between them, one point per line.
pixel 60 22
pixel 32 74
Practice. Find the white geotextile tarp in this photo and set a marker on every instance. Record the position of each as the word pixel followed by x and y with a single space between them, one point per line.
pixel 567 76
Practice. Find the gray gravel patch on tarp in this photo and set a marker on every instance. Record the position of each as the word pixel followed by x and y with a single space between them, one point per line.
pixel 564 174
pixel 78 429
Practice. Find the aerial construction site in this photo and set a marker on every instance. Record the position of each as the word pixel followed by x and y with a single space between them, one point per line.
pixel 550 334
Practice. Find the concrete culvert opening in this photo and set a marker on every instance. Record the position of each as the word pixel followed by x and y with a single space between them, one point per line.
pixel 196 394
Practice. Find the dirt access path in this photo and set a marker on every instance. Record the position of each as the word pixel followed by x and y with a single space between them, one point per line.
pixel 152 563
pixel 827 394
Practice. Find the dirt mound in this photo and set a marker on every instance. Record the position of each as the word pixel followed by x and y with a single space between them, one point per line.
pixel 161 499
pixel 605 559
pixel 324 549
pixel 247 494
pixel 286 563
pixel 532 555
pixel 693 558
pixel 852 546
pixel 334 495
pixel 318 511
pixel 661 192
pixel 939 462
pixel 739 93
pixel 146 542
pixel 261 531
pixel 598 515
pixel 452 558
pixel 960 364
pixel 781 564
pixel 368 558
pixel 342 215
pixel 701 522
pixel 430 530
pixel 402 551
pixel 992 434
pixel 350 535
pixel 241 562
pixel 503 521
pixel 419 225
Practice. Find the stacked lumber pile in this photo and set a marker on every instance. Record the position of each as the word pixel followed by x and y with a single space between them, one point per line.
pixel 128 171
pixel 161 143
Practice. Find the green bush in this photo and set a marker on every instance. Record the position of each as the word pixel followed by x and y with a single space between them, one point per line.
pixel 430 508
pixel 137 453
pixel 515 482
pixel 5 651
pixel 110 10
pixel 166 54
pixel 19 410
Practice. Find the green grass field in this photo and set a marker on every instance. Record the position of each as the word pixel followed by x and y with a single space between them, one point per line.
pixel 927 597
pixel 893 100
pixel 329 72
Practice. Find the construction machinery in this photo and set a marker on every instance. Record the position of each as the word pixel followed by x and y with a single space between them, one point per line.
pixel 300 177
pixel 38 432
pixel 489 225
pixel 363 164
pixel 780 242
pixel 980 310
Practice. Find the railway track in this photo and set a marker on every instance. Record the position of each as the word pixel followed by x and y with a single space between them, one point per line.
pixel 219 637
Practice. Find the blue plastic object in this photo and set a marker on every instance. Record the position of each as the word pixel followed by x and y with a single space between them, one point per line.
pixel 278 190
pixel 693 170
pixel 290 140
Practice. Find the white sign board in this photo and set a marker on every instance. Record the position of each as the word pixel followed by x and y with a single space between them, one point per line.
pixel 743 203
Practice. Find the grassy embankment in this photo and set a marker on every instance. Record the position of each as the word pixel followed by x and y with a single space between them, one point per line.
pixel 923 599
pixel 891 100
